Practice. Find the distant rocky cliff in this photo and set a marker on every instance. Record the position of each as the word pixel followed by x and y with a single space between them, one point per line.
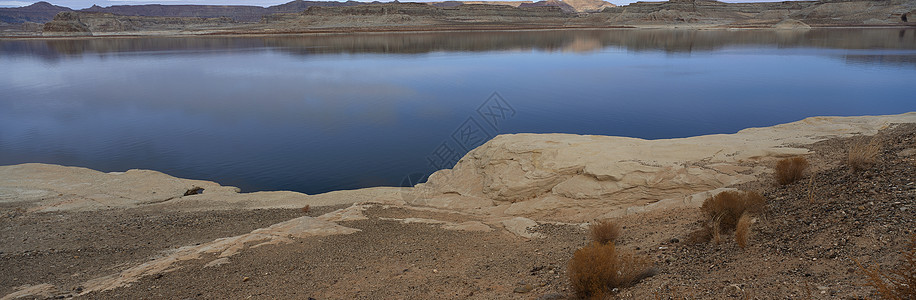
pixel 42 12
pixel 241 13
pixel 353 16
pixel 86 23
pixel 419 16
pixel 824 12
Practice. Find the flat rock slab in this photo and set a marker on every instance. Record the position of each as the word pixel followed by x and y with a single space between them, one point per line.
pixel 61 188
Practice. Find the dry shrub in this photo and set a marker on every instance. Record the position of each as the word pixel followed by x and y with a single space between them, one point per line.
pixel 725 208
pixel 604 232
pixel 790 170
pixel 899 284
pixel 723 213
pixel 593 270
pixel 862 155
pixel 597 269
pixel 743 229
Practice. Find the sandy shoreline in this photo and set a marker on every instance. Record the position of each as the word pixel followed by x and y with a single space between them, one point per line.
pixel 345 31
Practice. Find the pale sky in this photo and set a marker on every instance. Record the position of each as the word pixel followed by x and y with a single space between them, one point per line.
pixel 78 4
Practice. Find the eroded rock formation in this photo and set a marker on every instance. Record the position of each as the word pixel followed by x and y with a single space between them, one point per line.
pixel 573 178
pixel 821 13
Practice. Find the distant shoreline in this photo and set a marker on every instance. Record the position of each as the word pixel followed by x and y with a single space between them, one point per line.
pixel 430 29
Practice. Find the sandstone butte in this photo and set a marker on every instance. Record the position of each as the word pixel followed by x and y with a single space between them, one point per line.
pixel 510 183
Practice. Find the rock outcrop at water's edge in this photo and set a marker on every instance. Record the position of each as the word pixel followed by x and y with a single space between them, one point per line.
pixel 66 23
pixel 576 178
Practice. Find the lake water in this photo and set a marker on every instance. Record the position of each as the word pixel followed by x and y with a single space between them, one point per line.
pixel 321 113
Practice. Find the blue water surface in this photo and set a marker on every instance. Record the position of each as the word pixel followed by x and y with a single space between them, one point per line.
pixel 321 113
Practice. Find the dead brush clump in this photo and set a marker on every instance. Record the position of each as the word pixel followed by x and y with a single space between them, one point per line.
pixel 604 232
pixel 862 154
pixel 597 269
pixel 728 207
pixel 899 284
pixel 724 212
pixel 790 170
pixel 743 229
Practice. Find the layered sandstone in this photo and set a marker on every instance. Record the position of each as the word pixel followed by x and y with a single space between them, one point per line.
pixel 574 178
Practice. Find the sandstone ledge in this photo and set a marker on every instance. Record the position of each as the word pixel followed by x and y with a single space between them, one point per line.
pixel 576 178
pixel 544 177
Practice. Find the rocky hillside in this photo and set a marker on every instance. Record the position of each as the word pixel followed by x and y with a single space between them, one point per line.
pixel 821 13
pixel 241 13
pixel 453 15
pixel 40 12
pixel 73 23
pixel 417 16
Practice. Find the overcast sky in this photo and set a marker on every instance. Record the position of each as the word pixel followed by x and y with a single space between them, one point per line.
pixel 78 4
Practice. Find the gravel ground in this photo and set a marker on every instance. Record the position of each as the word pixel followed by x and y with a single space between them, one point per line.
pixel 70 247
pixel 386 260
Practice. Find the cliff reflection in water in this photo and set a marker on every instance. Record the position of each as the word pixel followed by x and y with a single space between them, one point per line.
pixel 672 41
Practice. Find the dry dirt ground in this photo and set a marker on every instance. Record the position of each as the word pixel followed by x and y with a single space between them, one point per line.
pixel 802 247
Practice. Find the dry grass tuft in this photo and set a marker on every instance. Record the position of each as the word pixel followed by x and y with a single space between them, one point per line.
pixel 604 232
pixel 598 268
pixel 723 213
pixel 862 155
pixel 811 195
pixel 725 208
pixel 898 284
pixel 790 170
pixel 717 229
pixel 743 229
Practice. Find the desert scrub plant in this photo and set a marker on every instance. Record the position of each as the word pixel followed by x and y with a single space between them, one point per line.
pixel 899 284
pixel 790 170
pixel 604 232
pixel 862 155
pixel 727 207
pixel 723 212
pixel 811 199
pixel 598 268
pixel 743 229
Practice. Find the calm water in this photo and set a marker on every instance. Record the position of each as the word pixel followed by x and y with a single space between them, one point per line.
pixel 320 113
